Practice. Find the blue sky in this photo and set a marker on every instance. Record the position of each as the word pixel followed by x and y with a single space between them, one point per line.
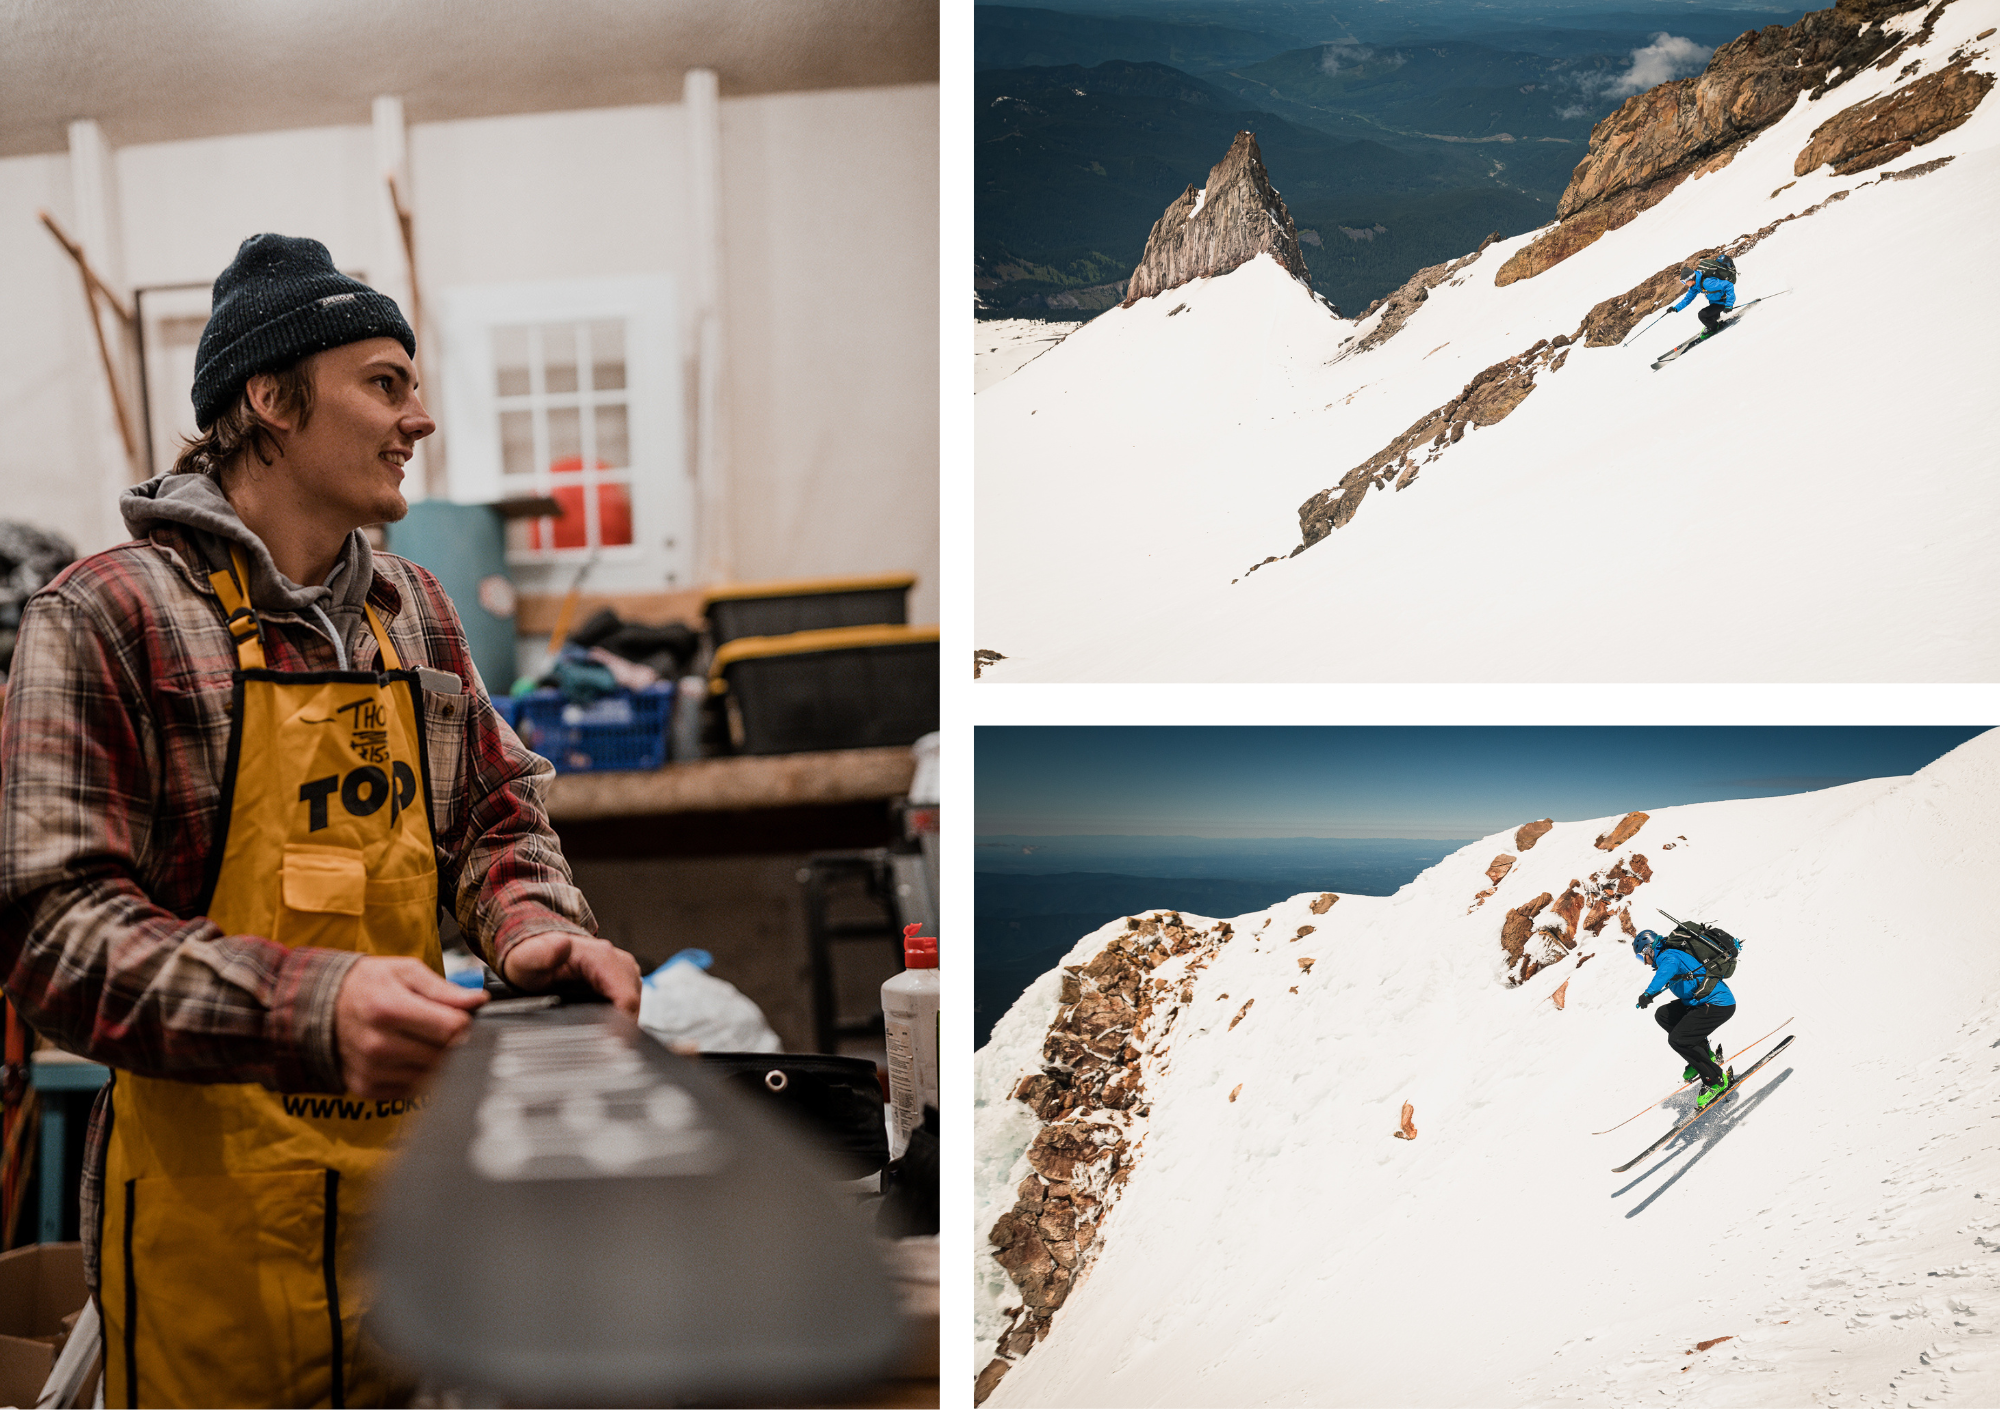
pixel 1282 781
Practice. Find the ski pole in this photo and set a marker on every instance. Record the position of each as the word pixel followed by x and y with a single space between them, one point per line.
pixel 1642 330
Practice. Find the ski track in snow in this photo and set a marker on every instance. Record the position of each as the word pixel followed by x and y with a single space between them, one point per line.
pixel 1834 455
pixel 1837 1219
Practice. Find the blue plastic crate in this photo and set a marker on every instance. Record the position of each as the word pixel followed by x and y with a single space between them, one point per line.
pixel 624 731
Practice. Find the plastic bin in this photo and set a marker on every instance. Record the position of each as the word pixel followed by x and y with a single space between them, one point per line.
pixel 845 688
pixel 806 605
pixel 625 731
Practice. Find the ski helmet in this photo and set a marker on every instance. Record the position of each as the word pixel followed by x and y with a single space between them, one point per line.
pixel 1645 942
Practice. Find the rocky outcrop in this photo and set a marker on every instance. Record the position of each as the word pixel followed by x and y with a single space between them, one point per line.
pixel 1519 926
pixel 1871 134
pixel 1622 833
pixel 1584 909
pixel 1406 1128
pixel 1610 321
pixel 1502 864
pixel 1112 1015
pixel 1323 904
pixel 1415 293
pixel 1689 126
pixel 1486 399
pixel 1237 216
pixel 1528 834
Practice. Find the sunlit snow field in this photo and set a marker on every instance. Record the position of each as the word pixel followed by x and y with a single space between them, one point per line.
pixel 1838 1218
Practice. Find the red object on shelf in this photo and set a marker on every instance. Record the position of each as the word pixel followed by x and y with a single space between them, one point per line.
pixel 614 510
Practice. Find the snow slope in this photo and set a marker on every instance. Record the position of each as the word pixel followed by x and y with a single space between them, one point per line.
pixel 1003 346
pixel 1810 497
pixel 1839 1220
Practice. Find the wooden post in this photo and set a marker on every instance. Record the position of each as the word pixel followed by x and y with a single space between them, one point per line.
pixel 95 288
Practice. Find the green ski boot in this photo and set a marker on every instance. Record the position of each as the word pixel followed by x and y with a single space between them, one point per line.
pixel 1709 1094
pixel 1690 1072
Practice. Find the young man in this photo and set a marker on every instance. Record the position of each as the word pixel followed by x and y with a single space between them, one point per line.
pixel 1715 278
pixel 244 761
pixel 1689 1020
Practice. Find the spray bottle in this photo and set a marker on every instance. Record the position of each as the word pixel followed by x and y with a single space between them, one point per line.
pixel 910 1020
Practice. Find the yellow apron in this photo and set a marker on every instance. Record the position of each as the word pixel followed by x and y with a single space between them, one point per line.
pixel 231 1212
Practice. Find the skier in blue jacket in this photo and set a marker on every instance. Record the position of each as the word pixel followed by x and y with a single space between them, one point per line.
pixel 1689 1021
pixel 1717 279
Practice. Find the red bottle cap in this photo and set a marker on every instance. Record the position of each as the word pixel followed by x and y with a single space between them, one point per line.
pixel 919 951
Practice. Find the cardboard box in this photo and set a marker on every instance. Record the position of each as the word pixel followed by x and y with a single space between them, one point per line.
pixel 41 1286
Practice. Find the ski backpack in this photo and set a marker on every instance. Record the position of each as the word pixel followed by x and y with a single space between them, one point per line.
pixel 1710 946
pixel 1717 267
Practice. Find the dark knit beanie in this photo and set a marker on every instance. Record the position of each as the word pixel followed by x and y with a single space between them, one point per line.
pixel 280 300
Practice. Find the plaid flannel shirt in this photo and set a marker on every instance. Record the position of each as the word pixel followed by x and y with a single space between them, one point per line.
pixel 111 764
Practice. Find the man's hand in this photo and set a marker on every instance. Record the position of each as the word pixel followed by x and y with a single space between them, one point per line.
pixel 1645 999
pixel 543 961
pixel 393 1020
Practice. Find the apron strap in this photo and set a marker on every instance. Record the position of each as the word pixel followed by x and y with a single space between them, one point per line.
pixel 241 620
pixel 249 635
pixel 390 661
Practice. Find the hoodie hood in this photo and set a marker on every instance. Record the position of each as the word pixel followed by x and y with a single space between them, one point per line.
pixel 197 502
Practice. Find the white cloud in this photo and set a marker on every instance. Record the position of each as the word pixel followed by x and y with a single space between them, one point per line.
pixel 1667 57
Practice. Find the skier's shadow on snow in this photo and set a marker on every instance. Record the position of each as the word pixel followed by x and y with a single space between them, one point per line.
pixel 1713 1132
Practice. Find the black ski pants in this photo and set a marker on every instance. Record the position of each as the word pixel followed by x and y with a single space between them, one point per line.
pixel 1711 317
pixel 1688 1028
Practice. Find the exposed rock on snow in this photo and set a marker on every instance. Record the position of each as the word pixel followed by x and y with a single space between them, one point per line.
pixel 1408 1129
pixel 1622 833
pixel 1324 903
pixel 1528 834
pixel 1229 222
pixel 1870 134
pixel 1089 1095
pixel 1416 291
pixel 1502 864
pixel 1692 126
pixel 1486 399
pixel 1519 927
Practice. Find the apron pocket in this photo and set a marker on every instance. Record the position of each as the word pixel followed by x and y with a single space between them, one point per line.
pixel 229 1284
pixel 322 892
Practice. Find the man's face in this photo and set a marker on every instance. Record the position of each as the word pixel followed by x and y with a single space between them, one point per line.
pixel 366 421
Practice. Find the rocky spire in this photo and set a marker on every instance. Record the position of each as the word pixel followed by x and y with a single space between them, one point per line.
pixel 1231 221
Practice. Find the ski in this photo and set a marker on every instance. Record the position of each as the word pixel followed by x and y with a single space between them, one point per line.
pixel 1671 353
pixel 565 1141
pixel 1685 1085
pixel 1698 1115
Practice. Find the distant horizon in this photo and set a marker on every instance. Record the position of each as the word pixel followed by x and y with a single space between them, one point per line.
pixel 1223 789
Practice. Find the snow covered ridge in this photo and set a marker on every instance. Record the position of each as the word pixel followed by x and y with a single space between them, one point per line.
pixel 1831 449
pixel 1828 1235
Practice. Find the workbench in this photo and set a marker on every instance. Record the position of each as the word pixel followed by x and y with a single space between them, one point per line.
pixel 737 783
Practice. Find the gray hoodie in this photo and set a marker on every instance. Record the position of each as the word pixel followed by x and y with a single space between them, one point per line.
pixel 196 502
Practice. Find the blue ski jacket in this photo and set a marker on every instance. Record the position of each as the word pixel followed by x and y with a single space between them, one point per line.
pixel 1683 973
pixel 1719 291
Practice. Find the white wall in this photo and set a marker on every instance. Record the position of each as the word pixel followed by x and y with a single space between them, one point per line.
pixel 829 302
pixel 830 218
pixel 51 472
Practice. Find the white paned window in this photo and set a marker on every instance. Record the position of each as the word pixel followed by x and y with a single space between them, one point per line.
pixel 571 392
